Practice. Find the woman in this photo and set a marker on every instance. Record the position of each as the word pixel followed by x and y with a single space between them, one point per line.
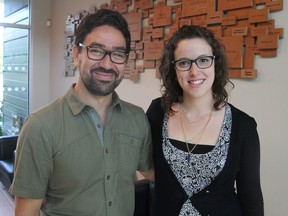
pixel 206 151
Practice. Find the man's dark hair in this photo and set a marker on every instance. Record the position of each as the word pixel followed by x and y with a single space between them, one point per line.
pixel 99 18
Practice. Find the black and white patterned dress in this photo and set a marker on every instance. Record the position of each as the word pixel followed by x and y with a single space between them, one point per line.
pixel 197 173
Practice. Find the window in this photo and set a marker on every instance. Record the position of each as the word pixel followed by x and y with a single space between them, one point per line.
pixel 14 64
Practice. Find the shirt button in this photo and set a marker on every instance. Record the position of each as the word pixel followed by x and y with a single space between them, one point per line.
pixel 207 191
pixel 110 203
pixel 108 177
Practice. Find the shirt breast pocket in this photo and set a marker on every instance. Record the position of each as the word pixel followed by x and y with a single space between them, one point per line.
pixel 129 152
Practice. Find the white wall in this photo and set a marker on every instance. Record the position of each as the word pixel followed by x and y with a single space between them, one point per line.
pixel 40 50
pixel 265 98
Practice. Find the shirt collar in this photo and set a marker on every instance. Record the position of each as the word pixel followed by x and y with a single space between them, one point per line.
pixel 77 105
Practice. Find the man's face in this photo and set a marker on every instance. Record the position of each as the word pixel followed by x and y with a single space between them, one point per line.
pixel 101 77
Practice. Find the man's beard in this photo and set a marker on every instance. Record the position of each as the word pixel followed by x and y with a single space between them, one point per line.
pixel 100 87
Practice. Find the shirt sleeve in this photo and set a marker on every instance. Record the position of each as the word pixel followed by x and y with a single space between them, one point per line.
pixel 33 163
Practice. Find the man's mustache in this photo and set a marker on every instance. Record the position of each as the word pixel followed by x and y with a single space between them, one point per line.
pixel 103 70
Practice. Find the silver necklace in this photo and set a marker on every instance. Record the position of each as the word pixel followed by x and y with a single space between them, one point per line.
pixel 196 138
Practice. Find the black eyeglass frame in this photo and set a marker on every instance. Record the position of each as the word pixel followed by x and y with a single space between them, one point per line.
pixel 105 53
pixel 212 57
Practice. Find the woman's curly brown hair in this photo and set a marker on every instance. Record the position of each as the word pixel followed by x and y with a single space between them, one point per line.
pixel 171 90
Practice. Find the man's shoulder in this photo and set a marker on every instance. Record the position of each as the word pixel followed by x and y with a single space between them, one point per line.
pixel 130 107
pixel 51 108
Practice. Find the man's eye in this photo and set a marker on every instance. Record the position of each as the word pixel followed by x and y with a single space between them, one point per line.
pixel 119 54
pixel 96 51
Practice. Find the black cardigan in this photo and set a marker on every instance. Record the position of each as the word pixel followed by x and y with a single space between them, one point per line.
pixel 220 198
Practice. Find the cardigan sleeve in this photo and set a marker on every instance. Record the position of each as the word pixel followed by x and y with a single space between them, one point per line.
pixel 248 177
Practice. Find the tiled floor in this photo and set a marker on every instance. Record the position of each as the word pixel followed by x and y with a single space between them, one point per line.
pixel 6 202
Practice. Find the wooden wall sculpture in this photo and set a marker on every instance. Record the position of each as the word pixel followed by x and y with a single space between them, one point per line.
pixel 243 26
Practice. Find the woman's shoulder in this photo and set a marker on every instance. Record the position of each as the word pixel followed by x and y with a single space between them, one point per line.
pixel 155 109
pixel 240 116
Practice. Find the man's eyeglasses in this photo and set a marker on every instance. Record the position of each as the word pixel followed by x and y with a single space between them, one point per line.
pixel 96 53
pixel 202 62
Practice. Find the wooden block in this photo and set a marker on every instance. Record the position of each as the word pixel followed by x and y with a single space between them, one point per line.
pixel 172 29
pixel 277 31
pixel 134 75
pixel 260 30
pixel 227 31
pixel 150 20
pixel 146 4
pixel 248 73
pixel 132 55
pixel 147 29
pixel 134 23
pixel 122 8
pixel 158 33
pixel 137 5
pixel 260 2
pixel 177 8
pixel 153 50
pixel 161 3
pixel 249 57
pixel 184 21
pixel 267 41
pixel 149 64
pixel 146 35
pixel 147 38
pixel 217 30
pixel 139 46
pixel 250 43
pixel 139 54
pixel 200 20
pixel 268 53
pixel 129 66
pixel 224 5
pixel 240 31
pixel 140 68
pixel 275 5
pixel 145 14
pixel 162 16
pixel 234 73
pixel 214 17
pixel 270 23
pixel 197 7
pixel 158 74
pixel 228 20
pixel 234 47
pixel 259 15
pixel 240 14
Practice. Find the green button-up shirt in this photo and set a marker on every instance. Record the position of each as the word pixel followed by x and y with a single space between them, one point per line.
pixel 61 158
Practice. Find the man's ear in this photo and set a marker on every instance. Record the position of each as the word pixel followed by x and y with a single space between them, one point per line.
pixel 75 52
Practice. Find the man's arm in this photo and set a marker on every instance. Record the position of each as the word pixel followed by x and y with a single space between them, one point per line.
pixel 27 207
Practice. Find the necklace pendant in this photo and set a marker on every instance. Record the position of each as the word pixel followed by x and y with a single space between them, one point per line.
pixel 188 158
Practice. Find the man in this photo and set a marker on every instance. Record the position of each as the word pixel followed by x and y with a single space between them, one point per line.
pixel 78 155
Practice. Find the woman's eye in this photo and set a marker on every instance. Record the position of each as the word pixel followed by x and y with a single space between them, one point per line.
pixel 203 60
pixel 184 63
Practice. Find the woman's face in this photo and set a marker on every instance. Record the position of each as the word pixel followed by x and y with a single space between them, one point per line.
pixel 195 82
